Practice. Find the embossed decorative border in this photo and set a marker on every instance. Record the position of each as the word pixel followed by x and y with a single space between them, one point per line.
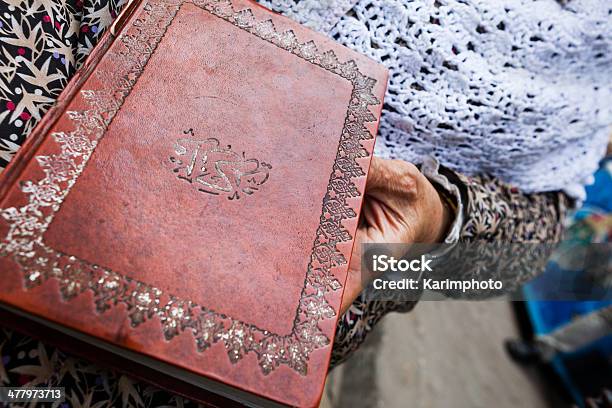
pixel 39 262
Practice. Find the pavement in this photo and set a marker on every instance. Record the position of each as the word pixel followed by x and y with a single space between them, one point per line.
pixel 442 354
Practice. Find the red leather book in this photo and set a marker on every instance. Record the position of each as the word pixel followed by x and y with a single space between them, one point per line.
pixel 190 202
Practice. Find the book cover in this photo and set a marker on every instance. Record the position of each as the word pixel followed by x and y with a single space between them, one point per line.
pixel 193 196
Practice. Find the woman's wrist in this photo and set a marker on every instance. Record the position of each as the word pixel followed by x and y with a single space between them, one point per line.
pixel 432 214
pixel 448 196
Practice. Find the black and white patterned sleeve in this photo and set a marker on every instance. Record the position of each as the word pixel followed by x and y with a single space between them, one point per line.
pixel 497 211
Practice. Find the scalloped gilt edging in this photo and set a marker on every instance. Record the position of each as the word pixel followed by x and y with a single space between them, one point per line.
pixel 27 224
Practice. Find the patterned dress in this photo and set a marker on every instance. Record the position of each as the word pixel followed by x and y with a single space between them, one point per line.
pixel 42 44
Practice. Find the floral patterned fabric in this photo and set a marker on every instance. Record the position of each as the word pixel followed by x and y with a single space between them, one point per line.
pixel 497 211
pixel 42 44
pixel 28 362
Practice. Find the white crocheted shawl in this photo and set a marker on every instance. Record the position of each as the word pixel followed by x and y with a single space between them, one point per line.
pixel 518 89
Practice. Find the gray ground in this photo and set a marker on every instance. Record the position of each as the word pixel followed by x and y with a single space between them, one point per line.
pixel 443 354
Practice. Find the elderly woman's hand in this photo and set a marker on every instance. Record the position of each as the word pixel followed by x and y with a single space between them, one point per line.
pixel 400 206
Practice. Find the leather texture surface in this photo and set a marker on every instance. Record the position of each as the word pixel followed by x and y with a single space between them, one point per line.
pixel 236 237
pixel 273 107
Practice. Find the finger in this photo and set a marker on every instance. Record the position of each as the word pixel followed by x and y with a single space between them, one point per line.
pixel 368 214
pixel 395 177
pixel 382 175
pixel 376 174
pixel 383 213
pixel 378 215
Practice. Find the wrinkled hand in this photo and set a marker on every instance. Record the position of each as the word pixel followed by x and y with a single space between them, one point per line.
pixel 400 206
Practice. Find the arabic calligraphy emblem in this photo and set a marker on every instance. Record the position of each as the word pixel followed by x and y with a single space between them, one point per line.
pixel 216 169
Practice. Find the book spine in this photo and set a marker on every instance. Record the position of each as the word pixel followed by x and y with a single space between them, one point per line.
pixel 39 134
